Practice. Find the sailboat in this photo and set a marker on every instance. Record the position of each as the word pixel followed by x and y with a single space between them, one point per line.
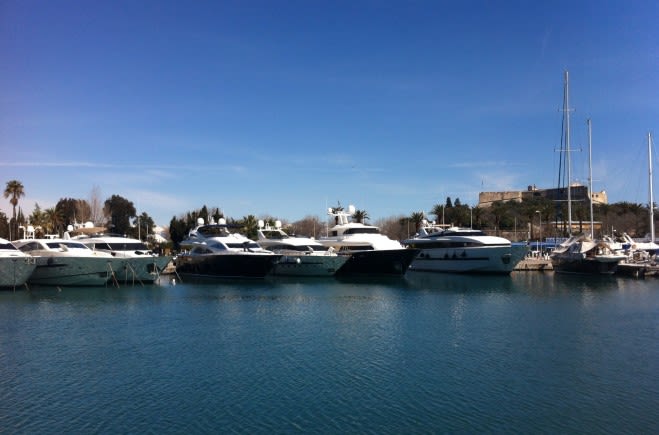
pixel 649 246
pixel 642 252
pixel 582 253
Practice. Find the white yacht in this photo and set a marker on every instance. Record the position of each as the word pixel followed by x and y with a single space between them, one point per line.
pixel 215 252
pixel 135 261
pixel 370 251
pixel 301 256
pixel 67 262
pixel 15 266
pixel 463 250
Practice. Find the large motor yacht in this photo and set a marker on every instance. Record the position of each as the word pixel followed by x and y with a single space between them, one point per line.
pixel 463 250
pixel 301 256
pixel 15 266
pixel 370 251
pixel 136 262
pixel 215 252
pixel 67 262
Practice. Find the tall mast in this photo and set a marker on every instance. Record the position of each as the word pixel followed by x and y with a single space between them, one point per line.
pixel 569 151
pixel 650 190
pixel 590 179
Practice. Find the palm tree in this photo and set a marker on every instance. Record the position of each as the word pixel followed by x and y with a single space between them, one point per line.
pixel 250 226
pixel 360 216
pixel 417 217
pixel 14 190
pixel 53 220
pixel 438 211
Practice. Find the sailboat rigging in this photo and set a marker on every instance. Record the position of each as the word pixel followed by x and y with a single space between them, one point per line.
pixel 580 253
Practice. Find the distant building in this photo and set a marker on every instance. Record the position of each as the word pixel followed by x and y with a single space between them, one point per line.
pixel 577 191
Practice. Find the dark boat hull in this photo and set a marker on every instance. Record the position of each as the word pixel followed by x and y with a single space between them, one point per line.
pixel 226 265
pixel 378 262
pixel 585 266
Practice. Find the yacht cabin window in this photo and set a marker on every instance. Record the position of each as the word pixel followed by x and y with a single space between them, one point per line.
pixel 32 246
pixel 362 230
pixel 70 245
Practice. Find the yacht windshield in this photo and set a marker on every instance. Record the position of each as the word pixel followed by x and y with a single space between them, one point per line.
pixel 275 235
pixel 128 246
pixel 213 231
pixel 246 245
pixel 363 230
pixel 8 246
pixel 218 246
pixel 118 246
pixel 70 245
pixel 284 247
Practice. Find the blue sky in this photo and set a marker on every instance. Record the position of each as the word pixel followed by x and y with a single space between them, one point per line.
pixel 281 108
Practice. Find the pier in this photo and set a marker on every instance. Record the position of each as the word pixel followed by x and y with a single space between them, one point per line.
pixel 638 270
pixel 534 264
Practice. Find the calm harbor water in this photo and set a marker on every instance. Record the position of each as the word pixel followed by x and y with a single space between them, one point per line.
pixel 529 352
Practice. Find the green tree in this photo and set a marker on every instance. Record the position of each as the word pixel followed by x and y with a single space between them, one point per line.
pixel 177 231
pixel 120 211
pixel 73 210
pixel 54 222
pixel 249 226
pixel 14 191
pixel 142 226
pixel 4 226
pixel 438 210
pixel 498 210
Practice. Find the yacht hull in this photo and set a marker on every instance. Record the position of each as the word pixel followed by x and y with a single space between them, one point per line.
pixel 15 271
pixel 378 262
pixel 589 266
pixel 486 259
pixel 143 269
pixel 309 265
pixel 72 271
pixel 231 265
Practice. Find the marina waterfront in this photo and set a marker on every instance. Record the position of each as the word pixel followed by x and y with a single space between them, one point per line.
pixel 425 353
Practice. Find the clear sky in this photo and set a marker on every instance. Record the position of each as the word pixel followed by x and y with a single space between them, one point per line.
pixel 282 108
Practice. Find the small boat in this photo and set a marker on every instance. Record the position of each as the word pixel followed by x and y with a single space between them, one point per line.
pixel 67 262
pixel 370 251
pixel 301 256
pixel 215 252
pixel 580 254
pixel 15 266
pixel 463 250
pixel 135 261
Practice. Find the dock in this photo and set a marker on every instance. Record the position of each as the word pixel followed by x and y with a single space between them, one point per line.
pixel 534 264
pixel 638 270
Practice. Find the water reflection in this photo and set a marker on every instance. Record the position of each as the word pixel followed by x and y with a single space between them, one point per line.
pixel 449 282
pixel 549 284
